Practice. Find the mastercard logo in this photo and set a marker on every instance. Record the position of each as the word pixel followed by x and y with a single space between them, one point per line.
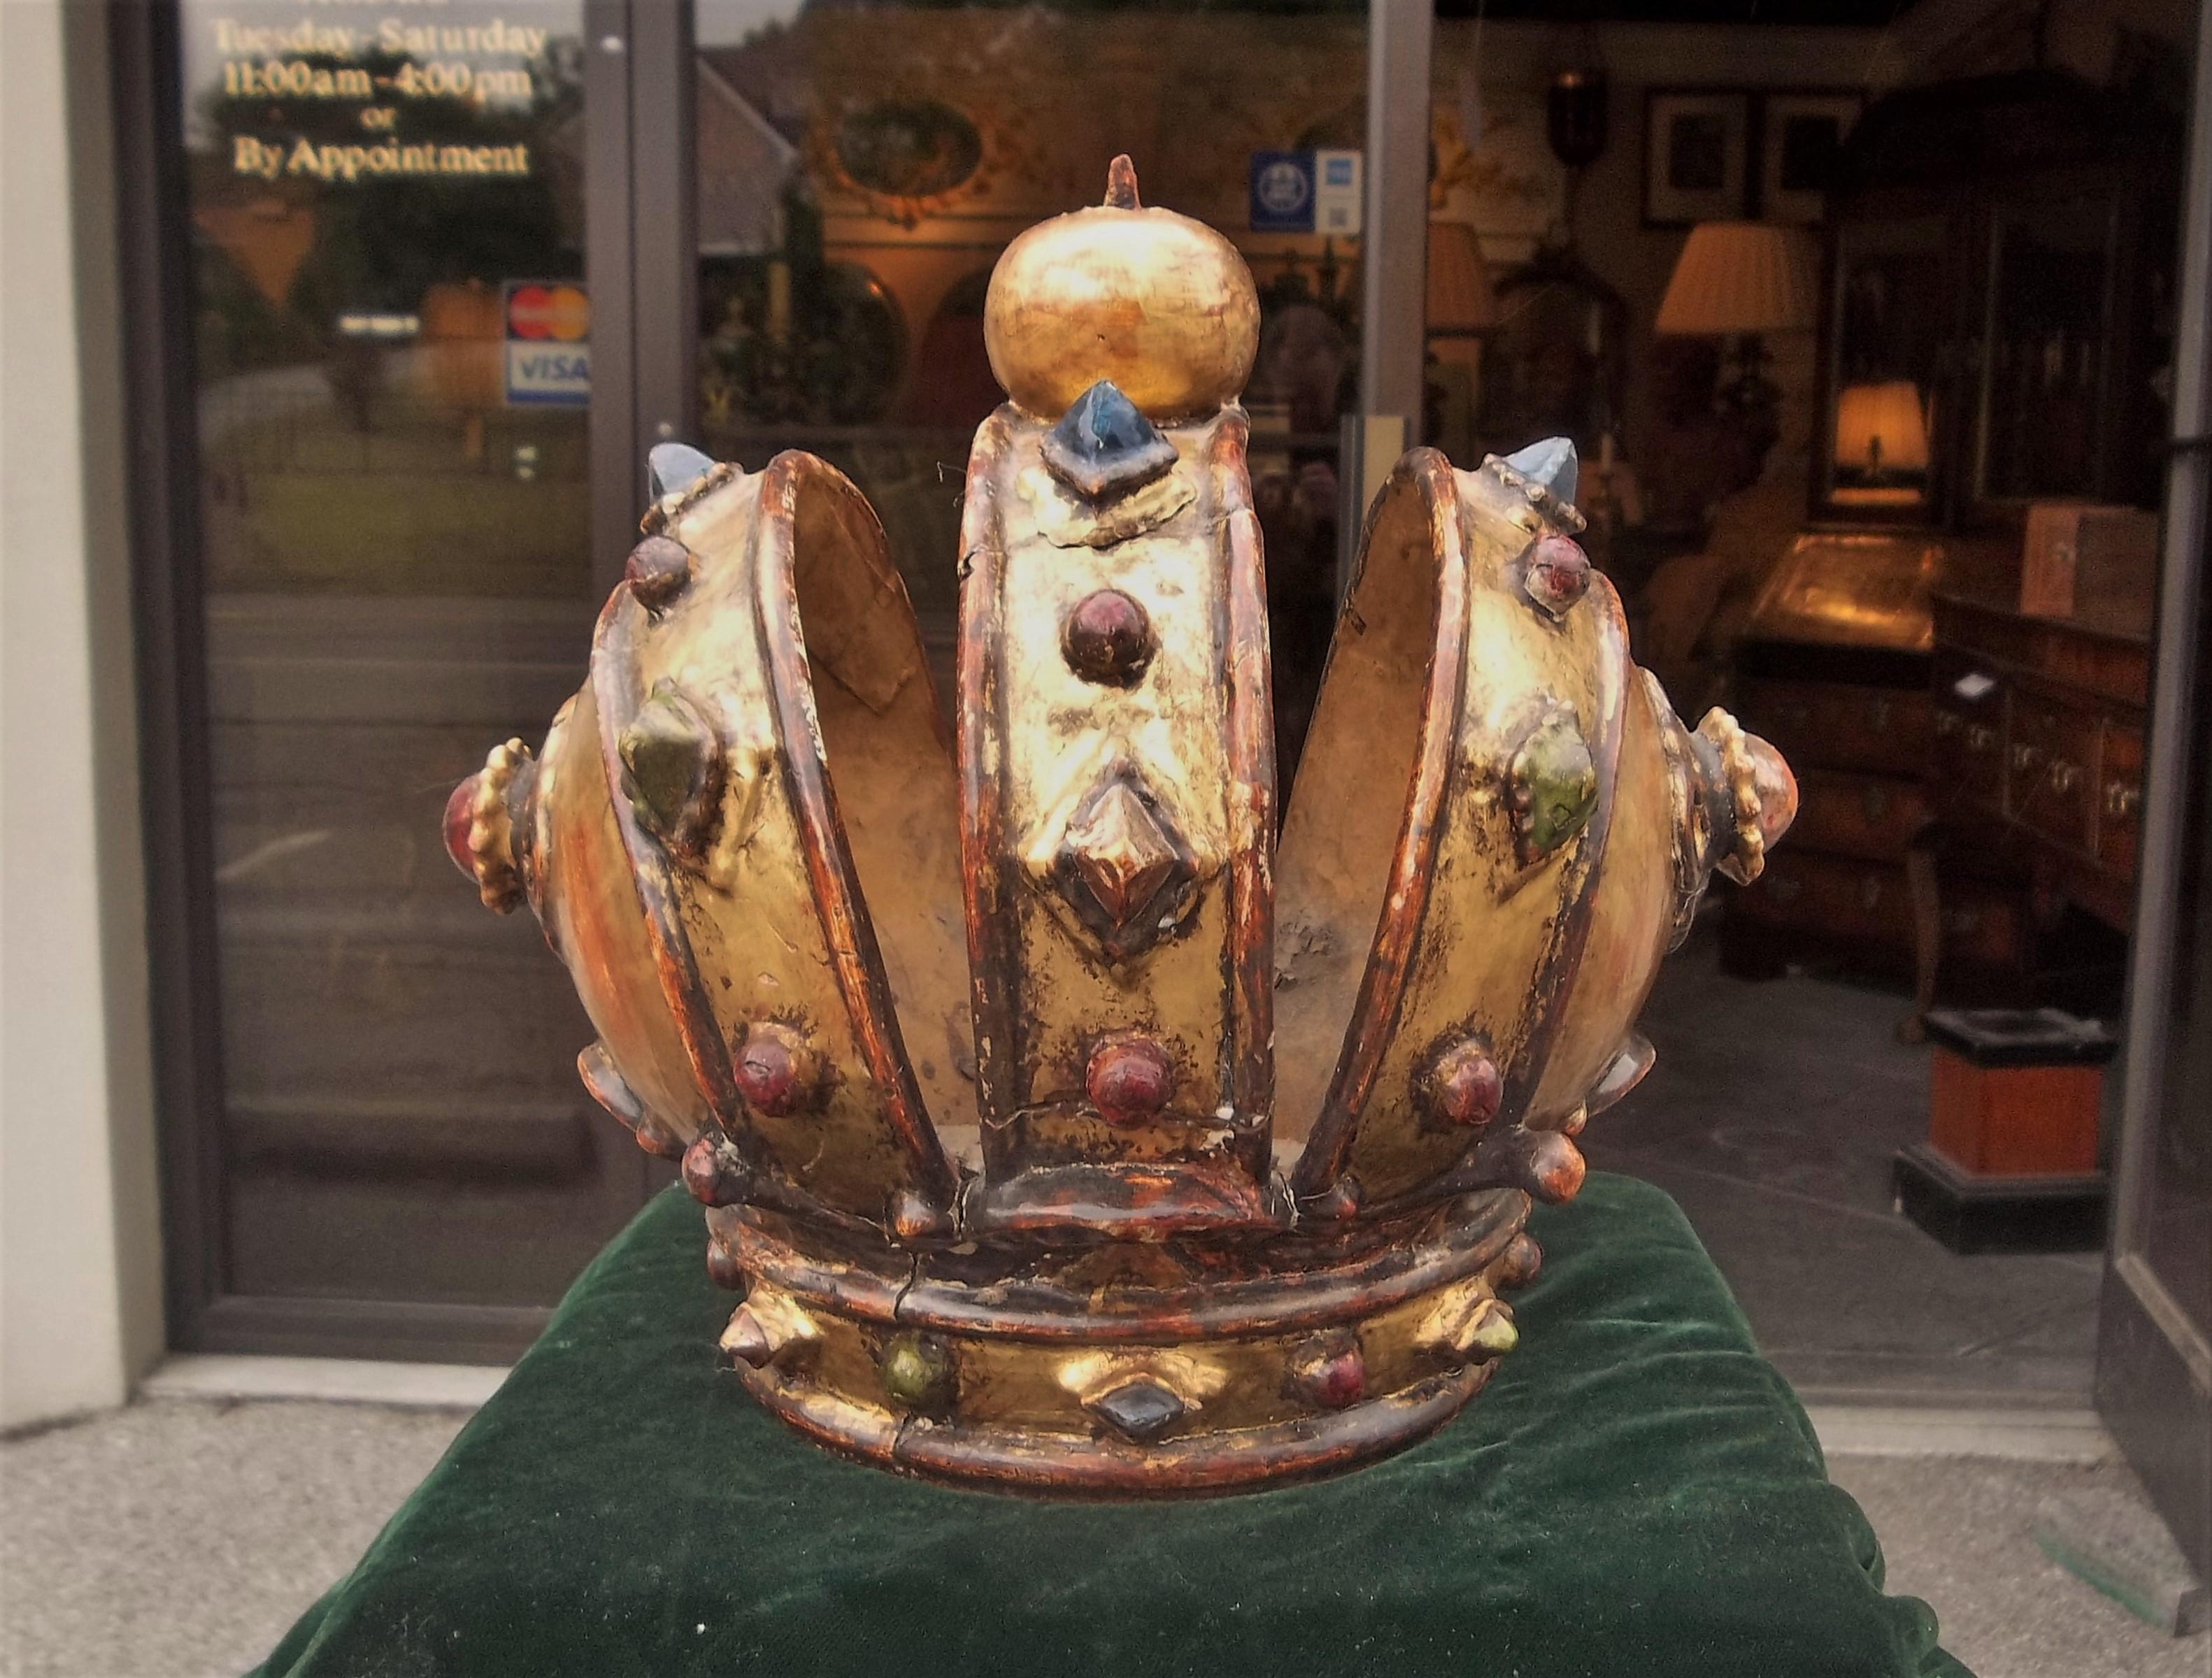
pixel 562 313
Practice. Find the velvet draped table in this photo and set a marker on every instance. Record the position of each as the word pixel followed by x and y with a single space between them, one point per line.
pixel 1637 1492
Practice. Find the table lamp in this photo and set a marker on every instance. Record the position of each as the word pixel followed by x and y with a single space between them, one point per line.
pixel 1741 280
pixel 1881 436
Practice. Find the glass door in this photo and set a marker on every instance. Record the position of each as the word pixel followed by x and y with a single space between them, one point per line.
pixel 383 563
pixel 860 167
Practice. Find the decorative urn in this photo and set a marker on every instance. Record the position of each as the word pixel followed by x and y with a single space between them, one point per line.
pixel 1065 1127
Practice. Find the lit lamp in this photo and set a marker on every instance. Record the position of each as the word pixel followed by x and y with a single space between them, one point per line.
pixel 1881 436
pixel 1742 280
pixel 1462 306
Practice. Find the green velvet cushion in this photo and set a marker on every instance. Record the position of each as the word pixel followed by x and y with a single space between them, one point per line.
pixel 1637 1492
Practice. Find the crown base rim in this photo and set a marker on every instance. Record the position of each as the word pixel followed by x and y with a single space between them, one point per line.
pixel 1035 1375
pixel 1041 1463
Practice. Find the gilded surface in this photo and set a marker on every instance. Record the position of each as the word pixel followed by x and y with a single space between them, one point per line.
pixel 1050 1155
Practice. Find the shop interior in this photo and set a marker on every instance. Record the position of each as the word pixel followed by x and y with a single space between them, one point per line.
pixel 1860 315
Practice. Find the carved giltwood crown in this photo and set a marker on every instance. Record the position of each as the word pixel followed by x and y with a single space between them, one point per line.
pixel 1065 1129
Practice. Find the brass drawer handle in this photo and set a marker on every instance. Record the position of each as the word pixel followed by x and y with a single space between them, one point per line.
pixel 2024 756
pixel 1980 737
pixel 2065 776
pixel 1878 714
pixel 2122 800
pixel 1787 888
pixel 1946 722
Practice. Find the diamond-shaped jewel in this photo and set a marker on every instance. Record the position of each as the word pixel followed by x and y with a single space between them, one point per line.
pixel 1120 853
pixel 1103 446
pixel 1140 1410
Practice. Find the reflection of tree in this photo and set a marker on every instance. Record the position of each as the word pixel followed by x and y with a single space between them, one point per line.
pixel 381 243
pixel 834 359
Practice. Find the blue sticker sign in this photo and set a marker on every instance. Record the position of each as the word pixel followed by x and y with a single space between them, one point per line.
pixel 1282 193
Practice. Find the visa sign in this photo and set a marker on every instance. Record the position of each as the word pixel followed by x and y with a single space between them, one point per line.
pixel 549 349
pixel 548 372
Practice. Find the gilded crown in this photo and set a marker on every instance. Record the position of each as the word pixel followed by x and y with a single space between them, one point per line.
pixel 1065 1130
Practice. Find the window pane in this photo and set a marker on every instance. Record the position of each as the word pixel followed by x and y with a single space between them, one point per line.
pixel 391 342
pixel 861 166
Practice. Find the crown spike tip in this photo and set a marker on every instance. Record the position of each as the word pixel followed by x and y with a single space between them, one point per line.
pixel 1122 183
pixel 1551 463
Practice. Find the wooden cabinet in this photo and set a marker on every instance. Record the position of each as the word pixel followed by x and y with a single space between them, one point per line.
pixel 2038 725
pixel 1999 252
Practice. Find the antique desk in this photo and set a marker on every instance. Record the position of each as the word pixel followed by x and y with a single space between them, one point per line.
pixel 1637 1492
pixel 1834 668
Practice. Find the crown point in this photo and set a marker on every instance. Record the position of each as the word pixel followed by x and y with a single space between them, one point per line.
pixel 1465 1086
pixel 1122 183
pixel 1550 466
pixel 1140 1410
pixel 1337 1203
pixel 746 1340
pixel 1558 574
pixel 1555 1168
pixel 713 1172
pixel 917 1373
pixel 1129 1081
pixel 1490 1333
pixel 657 570
pixel 916 1217
pixel 670 467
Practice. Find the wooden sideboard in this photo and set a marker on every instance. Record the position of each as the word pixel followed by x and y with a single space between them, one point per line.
pixel 2038 729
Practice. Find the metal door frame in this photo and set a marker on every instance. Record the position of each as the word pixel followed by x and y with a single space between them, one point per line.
pixel 2153 1361
pixel 637 190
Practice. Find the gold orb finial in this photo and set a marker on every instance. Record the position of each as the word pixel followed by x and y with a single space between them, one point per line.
pixel 1159 303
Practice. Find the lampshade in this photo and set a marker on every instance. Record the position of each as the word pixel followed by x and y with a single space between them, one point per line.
pixel 1880 427
pixel 1740 276
pixel 1459 299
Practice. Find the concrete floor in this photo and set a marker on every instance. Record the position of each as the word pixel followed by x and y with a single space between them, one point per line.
pixel 178 1538
pixel 1771 1116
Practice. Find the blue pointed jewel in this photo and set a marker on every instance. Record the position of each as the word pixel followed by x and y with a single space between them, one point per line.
pixel 1551 464
pixel 673 466
pixel 1104 446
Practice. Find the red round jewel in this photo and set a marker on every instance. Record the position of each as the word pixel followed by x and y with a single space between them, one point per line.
pixel 1558 572
pixel 1338 1383
pixel 1469 1086
pixel 1129 1081
pixel 1109 638
pixel 769 1075
pixel 657 570
pixel 460 808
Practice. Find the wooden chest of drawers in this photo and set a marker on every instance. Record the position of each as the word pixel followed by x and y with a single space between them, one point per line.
pixel 2038 744
pixel 1857 725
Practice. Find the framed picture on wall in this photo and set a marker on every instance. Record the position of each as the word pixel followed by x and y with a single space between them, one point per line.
pixel 1801 136
pixel 1696 155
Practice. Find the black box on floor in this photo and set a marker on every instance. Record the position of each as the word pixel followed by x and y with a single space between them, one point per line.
pixel 1971 1214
